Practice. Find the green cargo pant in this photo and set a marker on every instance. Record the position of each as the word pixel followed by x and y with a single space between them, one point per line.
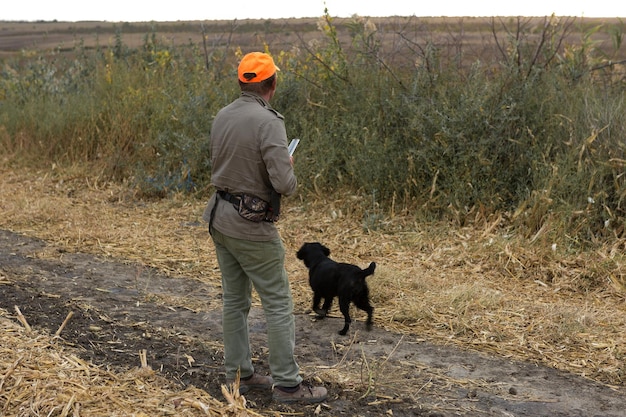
pixel 243 264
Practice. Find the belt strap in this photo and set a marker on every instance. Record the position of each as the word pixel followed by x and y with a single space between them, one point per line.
pixel 231 198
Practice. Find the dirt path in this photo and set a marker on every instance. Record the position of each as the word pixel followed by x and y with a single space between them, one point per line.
pixel 122 308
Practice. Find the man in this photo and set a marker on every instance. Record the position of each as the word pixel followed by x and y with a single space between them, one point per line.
pixel 251 167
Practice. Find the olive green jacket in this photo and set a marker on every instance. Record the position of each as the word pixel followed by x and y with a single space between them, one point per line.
pixel 248 155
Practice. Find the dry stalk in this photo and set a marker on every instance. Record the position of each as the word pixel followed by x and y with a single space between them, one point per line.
pixel 370 377
pixel 343 359
pixel 143 357
pixel 22 319
pixel 68 406
pixel 373 375
pixel 9 372
pixel 67 319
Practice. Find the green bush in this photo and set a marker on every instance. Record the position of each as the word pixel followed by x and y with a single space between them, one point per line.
pixel 537 132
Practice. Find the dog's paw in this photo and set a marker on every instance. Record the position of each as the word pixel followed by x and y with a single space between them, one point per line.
pixel 343 332
pixel 320 313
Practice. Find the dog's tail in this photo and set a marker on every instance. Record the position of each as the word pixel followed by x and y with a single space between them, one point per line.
pixel 368 271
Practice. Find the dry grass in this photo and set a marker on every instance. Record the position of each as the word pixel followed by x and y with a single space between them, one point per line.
pixel 482 288
pixel 43 377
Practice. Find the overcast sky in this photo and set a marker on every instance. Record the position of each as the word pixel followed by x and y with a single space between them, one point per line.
pixel 172 10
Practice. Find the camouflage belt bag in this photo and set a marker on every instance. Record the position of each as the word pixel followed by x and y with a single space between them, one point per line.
pixel 252 208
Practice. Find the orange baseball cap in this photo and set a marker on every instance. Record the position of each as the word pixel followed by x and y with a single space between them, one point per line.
pixel 256 67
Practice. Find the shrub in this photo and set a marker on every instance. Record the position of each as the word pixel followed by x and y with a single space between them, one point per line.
pixel 535 131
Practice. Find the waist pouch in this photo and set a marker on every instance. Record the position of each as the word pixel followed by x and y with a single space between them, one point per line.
pixel 250 207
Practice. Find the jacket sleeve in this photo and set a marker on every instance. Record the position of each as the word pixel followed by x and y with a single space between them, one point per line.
pixel 276 157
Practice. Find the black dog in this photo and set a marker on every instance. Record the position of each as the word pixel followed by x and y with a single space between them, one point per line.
pixel 330 279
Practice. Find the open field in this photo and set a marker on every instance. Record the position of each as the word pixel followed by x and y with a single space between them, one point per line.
pixel 472 35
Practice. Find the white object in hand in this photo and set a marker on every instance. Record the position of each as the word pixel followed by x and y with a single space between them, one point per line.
pixel 293 145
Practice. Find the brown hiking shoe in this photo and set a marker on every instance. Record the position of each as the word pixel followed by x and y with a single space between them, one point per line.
pixel 304 393
pixel 255 382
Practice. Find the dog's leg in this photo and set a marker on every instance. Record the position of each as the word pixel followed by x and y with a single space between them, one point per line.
pixel 364 305
pixel 369 322
pixel 344 306
pixel 317 299
pixel 320 314
pixel 328 301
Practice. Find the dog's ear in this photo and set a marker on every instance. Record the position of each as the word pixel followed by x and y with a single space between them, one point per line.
pixel 325 250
